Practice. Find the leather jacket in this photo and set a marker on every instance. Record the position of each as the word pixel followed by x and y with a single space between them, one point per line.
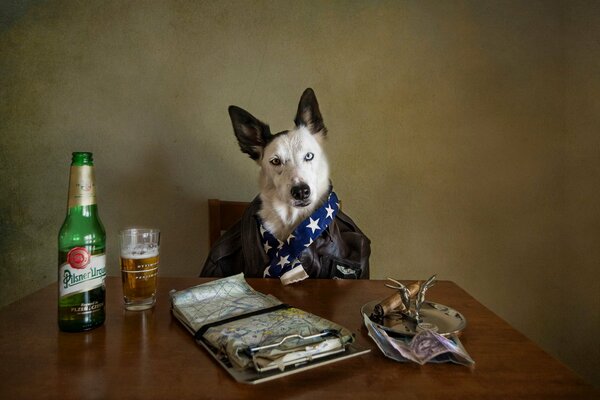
pixel 342 251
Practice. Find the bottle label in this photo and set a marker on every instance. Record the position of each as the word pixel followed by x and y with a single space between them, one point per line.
pixel 82 189
pixel 81 272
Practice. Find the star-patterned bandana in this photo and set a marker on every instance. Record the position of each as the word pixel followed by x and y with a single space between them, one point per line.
pixel 283 256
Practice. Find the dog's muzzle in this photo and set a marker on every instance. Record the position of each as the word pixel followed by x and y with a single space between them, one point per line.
pixel 301 193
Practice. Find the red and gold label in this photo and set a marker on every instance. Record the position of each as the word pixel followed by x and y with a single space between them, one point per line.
pixel 78 257
pixel 81 272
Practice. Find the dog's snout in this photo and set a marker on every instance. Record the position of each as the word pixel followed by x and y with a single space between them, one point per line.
pixel 300 191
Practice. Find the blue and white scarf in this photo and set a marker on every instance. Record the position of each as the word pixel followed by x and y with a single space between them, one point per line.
pixel 283 256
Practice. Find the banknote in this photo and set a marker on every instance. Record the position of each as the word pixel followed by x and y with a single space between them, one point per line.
pixel 426 346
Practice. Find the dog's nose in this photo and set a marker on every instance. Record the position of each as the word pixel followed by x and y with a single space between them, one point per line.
pixel 300 191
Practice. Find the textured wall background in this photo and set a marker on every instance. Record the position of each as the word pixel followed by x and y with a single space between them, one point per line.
pixel 463 136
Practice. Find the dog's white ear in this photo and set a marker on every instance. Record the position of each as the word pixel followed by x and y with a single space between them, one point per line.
pixel 309 114
pixel 252 134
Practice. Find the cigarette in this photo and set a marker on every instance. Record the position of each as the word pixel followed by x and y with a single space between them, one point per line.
pixel 394 302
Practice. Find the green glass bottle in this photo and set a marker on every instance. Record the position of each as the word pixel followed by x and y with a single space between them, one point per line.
pixel 81 253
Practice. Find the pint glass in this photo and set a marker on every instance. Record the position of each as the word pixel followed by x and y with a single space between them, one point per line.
pixel 139 267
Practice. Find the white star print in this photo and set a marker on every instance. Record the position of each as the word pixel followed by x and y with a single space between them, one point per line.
pixel 267 247
pixel 329 211
pixel 289 239
pixel 314 225
pixel 283 261
pixel 280 262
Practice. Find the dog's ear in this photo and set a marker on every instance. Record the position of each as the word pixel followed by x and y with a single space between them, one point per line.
pixel 252 134
pixel 309 114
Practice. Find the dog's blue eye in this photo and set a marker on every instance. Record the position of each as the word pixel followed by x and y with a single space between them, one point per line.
pixel 309 156
pixel 275 161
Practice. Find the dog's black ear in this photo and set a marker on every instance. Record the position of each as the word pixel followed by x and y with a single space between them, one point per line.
pixel 252 134
pixel 309 114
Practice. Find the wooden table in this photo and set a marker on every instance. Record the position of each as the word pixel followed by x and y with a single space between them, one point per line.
pixel 149 355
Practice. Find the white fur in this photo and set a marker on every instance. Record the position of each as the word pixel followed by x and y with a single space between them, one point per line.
pixel 279 213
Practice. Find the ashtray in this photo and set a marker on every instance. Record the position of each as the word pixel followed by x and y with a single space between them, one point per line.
pixel 439 318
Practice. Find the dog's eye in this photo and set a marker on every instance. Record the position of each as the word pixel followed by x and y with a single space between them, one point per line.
pixel 309 156
pixel 275 161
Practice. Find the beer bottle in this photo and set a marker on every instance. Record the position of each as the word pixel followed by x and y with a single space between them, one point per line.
pixel 81 257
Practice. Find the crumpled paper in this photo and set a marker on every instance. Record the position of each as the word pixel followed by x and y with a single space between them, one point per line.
pixel 426 346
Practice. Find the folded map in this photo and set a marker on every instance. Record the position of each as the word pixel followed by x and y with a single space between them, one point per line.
pixel 246 330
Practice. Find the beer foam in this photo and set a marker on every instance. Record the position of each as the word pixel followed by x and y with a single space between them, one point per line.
pixel 137 253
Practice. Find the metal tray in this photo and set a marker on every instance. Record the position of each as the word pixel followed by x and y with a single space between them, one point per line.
pixel 443 319
pixel 252 376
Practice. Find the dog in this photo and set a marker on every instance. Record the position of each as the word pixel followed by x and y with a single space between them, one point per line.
pixel 294 172
pixel 294 229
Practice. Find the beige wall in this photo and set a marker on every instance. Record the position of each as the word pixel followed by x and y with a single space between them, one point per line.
pixel 579 273
pixel 463 136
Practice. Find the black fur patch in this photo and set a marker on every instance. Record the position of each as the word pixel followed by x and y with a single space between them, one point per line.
pixel 308 113
pixel 253 135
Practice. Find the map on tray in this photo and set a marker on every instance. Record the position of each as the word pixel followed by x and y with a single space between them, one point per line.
pixel 255 336
pixel 218 300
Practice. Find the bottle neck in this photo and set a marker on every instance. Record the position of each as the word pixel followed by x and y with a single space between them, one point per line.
pixel 82 191
pixel 90 211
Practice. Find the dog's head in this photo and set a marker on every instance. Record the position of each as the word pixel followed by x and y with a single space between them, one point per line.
pixel 294 168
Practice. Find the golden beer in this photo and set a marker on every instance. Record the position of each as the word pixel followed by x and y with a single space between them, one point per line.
pixel 139 273
pixel 139 267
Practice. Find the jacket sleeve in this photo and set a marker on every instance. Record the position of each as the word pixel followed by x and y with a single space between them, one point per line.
pixel 359 245
pixel 341 252
pixel 238 250
pixel 224 256
pixel 211 268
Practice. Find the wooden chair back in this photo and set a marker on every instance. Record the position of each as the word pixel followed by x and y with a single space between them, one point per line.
pixel 221 216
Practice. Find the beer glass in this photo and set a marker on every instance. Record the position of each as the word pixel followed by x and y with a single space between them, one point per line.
pixel 139 267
